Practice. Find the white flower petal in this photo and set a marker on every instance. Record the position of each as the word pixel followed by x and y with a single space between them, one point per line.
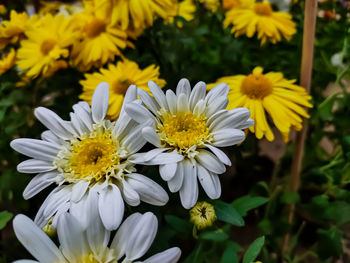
pixel 134 141
pixel 199 108
pixel 130 95
pixel 233 119
pixel 25 261
pixel 122 236
pixel 82 210
pixel 131 196
pixel 99 103
pixel 184 87
pixel 158 95
pixel 165 158
pixel 220 90
pixel 248 123
pixel 111 207
pixel 62 209
pixel 84 116
pixel 172 101
pixel 49 136
pixel 139 113
pixel 210 182
pixel 220 103
pixel 78 190
pixel 53 122
pixel 197 94
pixel 141 236
pixel 182 103
pixel 71 237
pixel 78 124
pixel 148 101
pixel 58 199
pixel 171 255
pixel 151 136
pixel 189 189
pixel 36 241
pixel 167 171
pixel 209 161
pixel 38 183
pixel 84 105
pixel 228 137
pixel 175 183
pixel 220 154
pixel 37 149
pixel 34 166
pixel 149 191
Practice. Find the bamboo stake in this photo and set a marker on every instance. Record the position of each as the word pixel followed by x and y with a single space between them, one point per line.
pixel 305 81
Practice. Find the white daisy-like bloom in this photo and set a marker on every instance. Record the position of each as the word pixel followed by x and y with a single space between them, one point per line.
pixel 187 128
pixel 84 155
pixel 79 245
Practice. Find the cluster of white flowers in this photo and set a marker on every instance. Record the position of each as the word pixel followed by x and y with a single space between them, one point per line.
pixel 93 163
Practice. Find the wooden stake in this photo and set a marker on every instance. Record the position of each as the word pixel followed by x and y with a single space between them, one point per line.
pixel 305 81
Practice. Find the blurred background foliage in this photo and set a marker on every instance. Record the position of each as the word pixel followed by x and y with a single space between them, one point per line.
pixel 256 186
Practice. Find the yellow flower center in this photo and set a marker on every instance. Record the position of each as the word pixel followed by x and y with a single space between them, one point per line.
pixel 263 9
pixel 202 215
pixel 95 28
pixel 47 45
pixel 256 86
pixel 120 86
pixel 183 130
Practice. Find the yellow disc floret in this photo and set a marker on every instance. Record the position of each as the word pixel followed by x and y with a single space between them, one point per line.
pixel 183 130
pixel 256 86
pixel 202 215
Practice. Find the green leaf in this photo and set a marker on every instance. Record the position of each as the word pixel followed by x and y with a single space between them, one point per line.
pixel 254 249
pixel 4 218
pixel 180 225
pixel 214 235
pixel 329 242
pixel 227 213
pixel 247 203
pixel 290 198
pixel 230 254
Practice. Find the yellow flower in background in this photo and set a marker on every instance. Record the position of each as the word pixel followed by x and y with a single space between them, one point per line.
pixel 271 92
pixel 230 4
pixel 260 19
pixel 202 215
pixel 212 5
pixel 185 9
pixel 3 9
pixel 100 40
pixel 47 44
pixel 57 7
pixel 139 13
pixel 119 78
pixel 7 61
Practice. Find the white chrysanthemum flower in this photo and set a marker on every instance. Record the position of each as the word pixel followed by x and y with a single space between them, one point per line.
pixel 131 242
pixel 187 127
pixel 88 154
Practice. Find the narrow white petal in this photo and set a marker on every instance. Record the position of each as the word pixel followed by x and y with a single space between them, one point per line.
pixel 234 118
pixel 248 123
pixel 58 199
pixel 228 137
pixel 78 124
pixel 172 101
pixel 189 189
pixel 158 95
pixel 165 158
pixel 211 162
pixel 81 210
pixel 197 94
pixel 131 196
pixel 171 255
pixel 36 149
pixel 182 103
pixel 71 237
pixel 143 158
pixel 62 209
pixel 34 166
pixel 111 207
pixel 220 154
pixel 220 103
pixel 53 122
pixel 149 191
pixel 199 108
pixel 79 190
pixel 130 95
pixel 49 136
pixel 219 114
pixel 148 101
pixel 167 171
pixel 141 236
pixel 122 236
pixel 25 261
pixel 210 182
pixel 183 86
pixel 36 241
pixel 38 183
pixel 84 116
pixel 175 183
pixel 99 103
pixel 122 124
pixel 139 113
pixel 151 136
pixel 220 90
pixel 134 141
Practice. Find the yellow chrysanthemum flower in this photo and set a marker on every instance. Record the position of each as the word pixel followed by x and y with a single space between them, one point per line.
pixel 119 78
pixel 230 4
pixel 47 44
pixel 270 92
pixel 7 61
pixel 57 7
pixel 139 12
pixel 202 215
pixel 3 9
pixel 185 9
pixel 100 40
pixel 212 5
pixel 260 19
